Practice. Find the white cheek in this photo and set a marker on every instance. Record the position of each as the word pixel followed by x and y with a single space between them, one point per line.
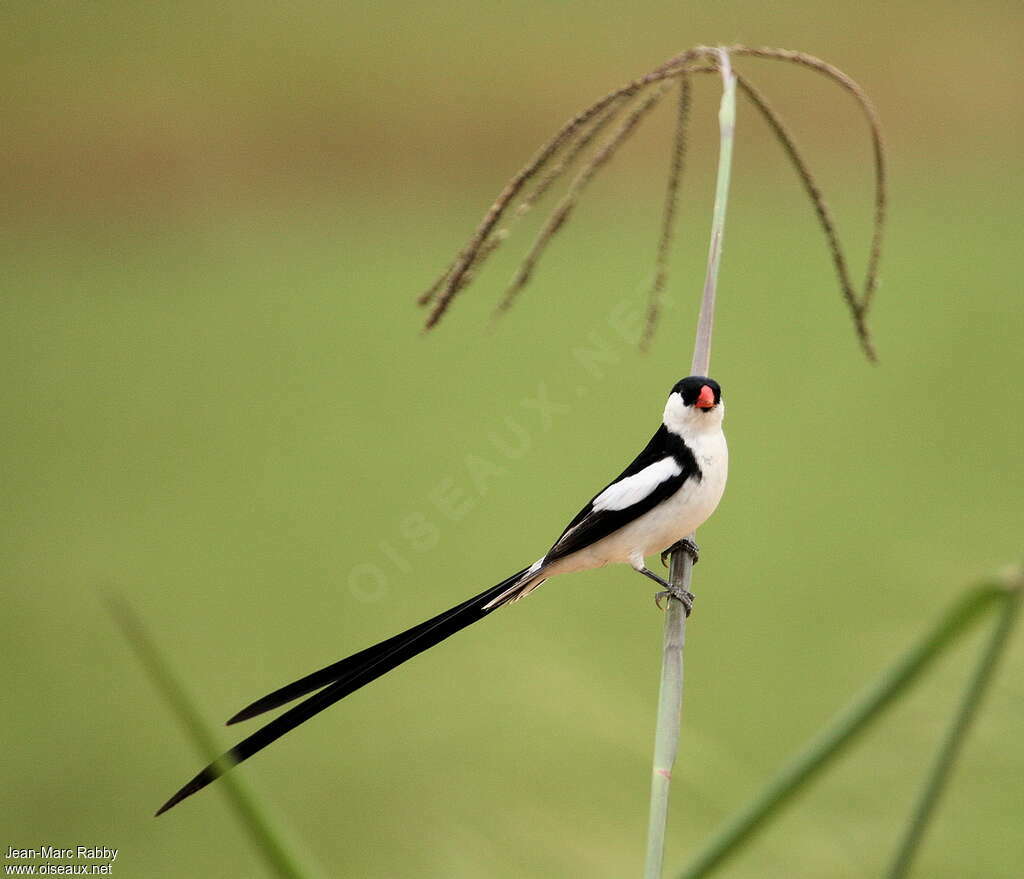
pixel 677 417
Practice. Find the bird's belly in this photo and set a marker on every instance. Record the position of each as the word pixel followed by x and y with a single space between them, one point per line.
pixel 681 515
pixel 672 520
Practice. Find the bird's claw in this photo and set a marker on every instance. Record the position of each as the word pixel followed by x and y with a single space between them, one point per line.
pixel 687 546
pixel 680 594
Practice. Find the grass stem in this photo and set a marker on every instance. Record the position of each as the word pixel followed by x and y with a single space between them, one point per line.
pixel 670 691
pixel 670 707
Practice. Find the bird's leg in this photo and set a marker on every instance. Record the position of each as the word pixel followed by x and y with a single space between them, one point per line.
pixel 687 546
pixel 670 591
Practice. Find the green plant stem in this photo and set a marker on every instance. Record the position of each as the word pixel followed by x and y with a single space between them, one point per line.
pixel 267 840
pixel 838 735
pixel 670 690
pixel 727 128
pixel 924 808
pixel 670 706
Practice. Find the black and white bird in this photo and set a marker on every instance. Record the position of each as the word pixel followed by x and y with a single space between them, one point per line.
pixel 669 490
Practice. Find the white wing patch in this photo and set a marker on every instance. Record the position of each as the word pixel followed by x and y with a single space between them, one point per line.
pixel 635 488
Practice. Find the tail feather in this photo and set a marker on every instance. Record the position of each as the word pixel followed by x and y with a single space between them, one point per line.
pixel 353 665
pixel 337 681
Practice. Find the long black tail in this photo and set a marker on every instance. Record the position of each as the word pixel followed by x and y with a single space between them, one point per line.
pixel 336 681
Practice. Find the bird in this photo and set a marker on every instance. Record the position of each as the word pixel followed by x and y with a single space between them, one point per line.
pixel 669 489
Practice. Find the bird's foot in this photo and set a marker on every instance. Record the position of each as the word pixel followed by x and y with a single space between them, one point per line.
pixel 687 546
pixel 670 591
pixel 680 594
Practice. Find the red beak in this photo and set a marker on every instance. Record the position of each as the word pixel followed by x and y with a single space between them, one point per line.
pixel 706 398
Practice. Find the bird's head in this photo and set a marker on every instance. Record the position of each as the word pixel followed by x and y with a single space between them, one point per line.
pixel 694 406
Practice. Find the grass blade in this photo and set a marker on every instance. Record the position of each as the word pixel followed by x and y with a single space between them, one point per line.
pixel 844 729
pixel 924 808
pixel 267 839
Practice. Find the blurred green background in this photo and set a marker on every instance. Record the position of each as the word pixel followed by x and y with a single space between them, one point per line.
pixel 217 401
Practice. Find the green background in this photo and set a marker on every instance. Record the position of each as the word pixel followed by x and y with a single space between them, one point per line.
pixel 217 402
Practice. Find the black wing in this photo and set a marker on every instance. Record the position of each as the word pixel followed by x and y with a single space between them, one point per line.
pixel 590 525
